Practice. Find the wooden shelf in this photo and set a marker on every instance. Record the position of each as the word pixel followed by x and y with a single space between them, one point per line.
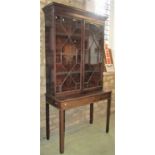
pixel 62 73
pixel 65 54
pixel 66 35
pixel 76 72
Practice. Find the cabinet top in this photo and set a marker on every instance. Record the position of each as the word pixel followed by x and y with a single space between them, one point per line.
pixel 72 11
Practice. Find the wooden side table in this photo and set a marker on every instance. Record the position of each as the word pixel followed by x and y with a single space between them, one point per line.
pixel 68 102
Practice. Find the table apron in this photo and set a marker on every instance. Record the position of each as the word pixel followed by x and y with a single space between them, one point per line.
pixel 82 101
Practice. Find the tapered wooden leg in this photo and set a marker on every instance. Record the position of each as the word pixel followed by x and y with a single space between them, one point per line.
pixel 91 113
pixel 61 130
pixel 47 122
pixel 64 120
pixel 108 115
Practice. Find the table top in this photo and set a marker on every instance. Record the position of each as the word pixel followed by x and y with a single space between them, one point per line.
pixel 79 96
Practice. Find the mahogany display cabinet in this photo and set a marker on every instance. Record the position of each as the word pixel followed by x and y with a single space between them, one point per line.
pixel 74 49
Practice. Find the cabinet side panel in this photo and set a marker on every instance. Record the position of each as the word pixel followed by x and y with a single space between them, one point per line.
pixel 50 50
pixel 49 62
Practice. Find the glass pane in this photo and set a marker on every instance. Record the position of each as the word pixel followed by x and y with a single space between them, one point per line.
pixel 68 53
pixel 93 56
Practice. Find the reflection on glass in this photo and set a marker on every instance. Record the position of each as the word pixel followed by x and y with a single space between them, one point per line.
pixel 93 56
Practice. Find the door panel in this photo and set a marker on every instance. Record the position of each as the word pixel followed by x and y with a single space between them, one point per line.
pixel 93 56
pixel 68 54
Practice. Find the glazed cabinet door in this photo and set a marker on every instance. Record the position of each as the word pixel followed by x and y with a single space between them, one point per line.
pixel 93 56
pixel 68 54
